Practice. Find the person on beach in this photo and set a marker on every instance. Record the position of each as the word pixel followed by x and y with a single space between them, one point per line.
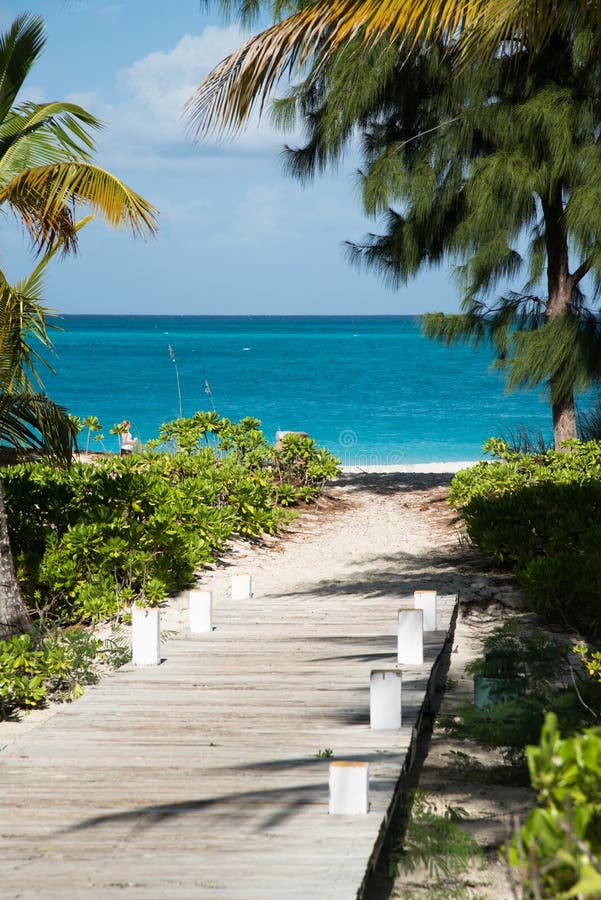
pixel 127 442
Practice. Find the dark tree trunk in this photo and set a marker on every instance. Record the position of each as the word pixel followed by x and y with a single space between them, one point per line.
pixel 560 285
pixel 14 618
pixel 564 421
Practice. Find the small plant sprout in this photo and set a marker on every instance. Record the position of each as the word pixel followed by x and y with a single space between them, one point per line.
pixel 209 393
pixel 179 391
pixel 326 753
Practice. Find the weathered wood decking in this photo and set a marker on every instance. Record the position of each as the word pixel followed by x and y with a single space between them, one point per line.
pixel 199 778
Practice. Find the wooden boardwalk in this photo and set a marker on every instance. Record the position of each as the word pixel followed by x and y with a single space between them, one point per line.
pixel 200 778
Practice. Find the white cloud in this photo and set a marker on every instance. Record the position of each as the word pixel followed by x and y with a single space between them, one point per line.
pixel 146 121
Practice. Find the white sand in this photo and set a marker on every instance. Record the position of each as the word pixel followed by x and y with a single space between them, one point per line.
pixel 435 467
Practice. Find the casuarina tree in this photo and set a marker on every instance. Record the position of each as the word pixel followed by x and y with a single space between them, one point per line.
pixel 492 164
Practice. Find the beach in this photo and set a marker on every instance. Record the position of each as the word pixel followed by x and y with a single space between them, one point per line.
pixel 433 468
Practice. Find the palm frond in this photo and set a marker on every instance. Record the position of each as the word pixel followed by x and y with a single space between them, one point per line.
pixel 34 422
pixel 34 134
pixel 43 196
pixel 20 46
pixel 22 319
pixel 247 77
pixel 24 327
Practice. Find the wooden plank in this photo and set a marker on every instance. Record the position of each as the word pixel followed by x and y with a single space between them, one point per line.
pixel 199 778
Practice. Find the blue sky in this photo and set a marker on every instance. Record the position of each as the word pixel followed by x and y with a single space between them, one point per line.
pixel 237 236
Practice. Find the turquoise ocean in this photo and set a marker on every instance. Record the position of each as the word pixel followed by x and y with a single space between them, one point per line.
pixel 371 389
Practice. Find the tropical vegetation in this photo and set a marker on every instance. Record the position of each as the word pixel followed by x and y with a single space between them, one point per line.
pixel 487 166
pixel 308 35
pixel 557 851
pixel 539 516
pixel 46 176
pixel 525 672
pixel 92 539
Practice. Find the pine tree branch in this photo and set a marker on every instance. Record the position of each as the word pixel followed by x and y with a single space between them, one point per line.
pixel 581 271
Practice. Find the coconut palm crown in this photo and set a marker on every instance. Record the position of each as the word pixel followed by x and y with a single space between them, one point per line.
pixel 45 155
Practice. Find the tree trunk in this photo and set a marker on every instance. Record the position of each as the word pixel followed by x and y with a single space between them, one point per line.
pixel 14 618
pixel 560 284
pixel 564 421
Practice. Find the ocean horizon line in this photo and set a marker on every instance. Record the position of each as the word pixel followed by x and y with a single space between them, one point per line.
pixel 240 315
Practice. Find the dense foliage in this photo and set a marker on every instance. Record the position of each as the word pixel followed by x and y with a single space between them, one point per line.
pixel 93 538
pixel 491 167
pixel 540 514
pixel 529 672
pixel 39 667
pixel 557 852
pixel 308 34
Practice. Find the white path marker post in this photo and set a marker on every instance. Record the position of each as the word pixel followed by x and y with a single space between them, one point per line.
pixel 349 788
pixel 426 601
pixel 201 611
pixel 241 587
pixel 145 636
pixel 410 642
pixel 385 699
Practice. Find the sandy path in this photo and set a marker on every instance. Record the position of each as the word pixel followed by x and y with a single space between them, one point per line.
pixel 379 534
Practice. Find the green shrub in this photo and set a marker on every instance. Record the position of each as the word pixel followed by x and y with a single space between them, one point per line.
pixel 548 682
pixel 36 669
pixel 541 516
pixel 557 852
pixel 91 539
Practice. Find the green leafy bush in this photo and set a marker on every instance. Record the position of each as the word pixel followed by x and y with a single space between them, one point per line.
pixel 541 516
pixel 549 682
pixel 90 540
pixel 94 538
pixel 557 852
pixel 54 666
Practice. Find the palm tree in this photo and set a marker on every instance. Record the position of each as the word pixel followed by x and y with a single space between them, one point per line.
pixel 46 173
pixel 45 153
pixel 28 418
pixel 310 36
